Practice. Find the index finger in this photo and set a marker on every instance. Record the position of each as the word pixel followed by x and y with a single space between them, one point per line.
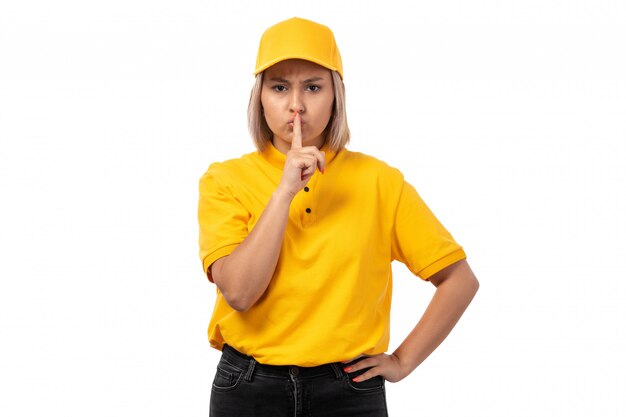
pixel 296 141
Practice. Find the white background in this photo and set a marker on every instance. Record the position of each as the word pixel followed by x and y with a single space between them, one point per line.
pixel 508 117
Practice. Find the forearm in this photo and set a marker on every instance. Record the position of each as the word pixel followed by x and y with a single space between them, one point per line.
pixel 244 275
pixel 448 304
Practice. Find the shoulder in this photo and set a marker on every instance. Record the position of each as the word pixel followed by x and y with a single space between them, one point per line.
pixel 370 165
pixel 229 170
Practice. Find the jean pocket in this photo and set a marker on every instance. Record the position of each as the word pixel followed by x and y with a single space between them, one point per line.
pixel 373 384
pixel 227 377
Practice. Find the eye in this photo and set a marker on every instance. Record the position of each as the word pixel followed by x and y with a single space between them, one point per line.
pixel 279 88
pixel 313 88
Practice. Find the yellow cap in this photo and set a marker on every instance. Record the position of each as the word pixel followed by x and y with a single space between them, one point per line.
pixel 301 39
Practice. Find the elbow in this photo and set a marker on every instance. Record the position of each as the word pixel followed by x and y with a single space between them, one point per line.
pixel 472 282
pixel 234 295
pixel 472 286
pixel 475 285
pixel 239 305
pixel 237 301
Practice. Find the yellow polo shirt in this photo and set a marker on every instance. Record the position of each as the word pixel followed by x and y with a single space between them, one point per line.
pixel 330 297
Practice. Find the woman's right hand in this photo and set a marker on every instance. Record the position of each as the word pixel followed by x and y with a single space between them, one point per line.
pixel 301 163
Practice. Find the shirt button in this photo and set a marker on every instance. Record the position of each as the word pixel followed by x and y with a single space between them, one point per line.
pixel 306 189
pixel 308 210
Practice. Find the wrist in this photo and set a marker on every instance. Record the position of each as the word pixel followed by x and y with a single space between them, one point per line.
pixel 405 367
pixel 282 195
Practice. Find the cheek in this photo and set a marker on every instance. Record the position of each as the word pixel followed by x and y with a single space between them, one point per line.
pixel 266 110
pixel 326 110
pixel 269 107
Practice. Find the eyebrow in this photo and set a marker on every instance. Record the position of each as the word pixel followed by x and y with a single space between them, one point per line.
pixel 308 80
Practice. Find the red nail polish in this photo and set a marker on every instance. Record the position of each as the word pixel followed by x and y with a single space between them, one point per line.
pixel 355 379
pixel 348 369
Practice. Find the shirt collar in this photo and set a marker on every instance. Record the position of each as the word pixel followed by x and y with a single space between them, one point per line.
pixel 277 158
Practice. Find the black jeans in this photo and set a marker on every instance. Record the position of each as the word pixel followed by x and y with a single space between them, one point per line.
pixel 245 388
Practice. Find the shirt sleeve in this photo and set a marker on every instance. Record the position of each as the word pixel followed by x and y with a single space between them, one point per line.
pixel 419 240
pixel 222 218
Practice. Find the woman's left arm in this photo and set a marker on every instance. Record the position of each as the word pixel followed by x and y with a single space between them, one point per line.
pixel 456 287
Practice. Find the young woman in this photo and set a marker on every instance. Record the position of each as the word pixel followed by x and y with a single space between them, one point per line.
pixel 299 237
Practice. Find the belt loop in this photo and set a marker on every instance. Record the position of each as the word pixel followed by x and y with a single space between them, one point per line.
pixel 335 367
pixel 251 366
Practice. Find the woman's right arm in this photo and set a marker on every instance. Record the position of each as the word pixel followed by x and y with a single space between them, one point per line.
pixel 244 275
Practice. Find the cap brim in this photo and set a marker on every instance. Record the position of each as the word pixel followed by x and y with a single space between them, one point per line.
pixel 274 61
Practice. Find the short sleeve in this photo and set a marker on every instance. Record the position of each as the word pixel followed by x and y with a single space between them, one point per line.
pixel 419 240
pixel 223 220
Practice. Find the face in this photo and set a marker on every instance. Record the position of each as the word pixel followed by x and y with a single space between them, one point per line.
pixel 302 86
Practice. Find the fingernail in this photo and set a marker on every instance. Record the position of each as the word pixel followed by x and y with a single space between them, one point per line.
pixel 348 369
pixel 355 379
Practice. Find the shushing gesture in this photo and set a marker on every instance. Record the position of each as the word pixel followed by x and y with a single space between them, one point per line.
pixel 301 163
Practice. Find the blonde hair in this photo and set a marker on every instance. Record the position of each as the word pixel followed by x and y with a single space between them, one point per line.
pixel 337 133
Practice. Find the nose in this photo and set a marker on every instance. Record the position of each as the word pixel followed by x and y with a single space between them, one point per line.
pixel 296 102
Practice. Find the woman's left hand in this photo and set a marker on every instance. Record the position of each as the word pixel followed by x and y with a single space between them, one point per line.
pixel 388 366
